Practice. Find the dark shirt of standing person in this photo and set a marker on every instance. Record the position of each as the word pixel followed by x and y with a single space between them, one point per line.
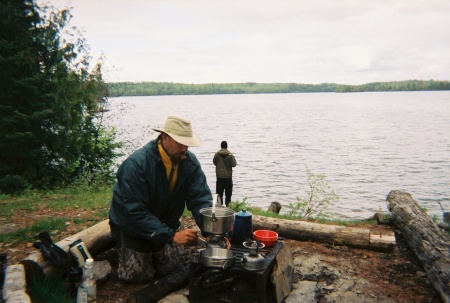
pixel 224 161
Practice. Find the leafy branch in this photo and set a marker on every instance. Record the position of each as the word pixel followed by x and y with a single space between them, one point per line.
pixel 318 196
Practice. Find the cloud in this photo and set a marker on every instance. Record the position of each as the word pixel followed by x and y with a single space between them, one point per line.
pixel 203 41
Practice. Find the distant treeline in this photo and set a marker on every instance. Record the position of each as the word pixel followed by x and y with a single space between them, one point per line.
pixel 117 89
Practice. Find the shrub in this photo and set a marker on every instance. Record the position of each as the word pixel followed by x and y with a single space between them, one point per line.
pixel 318 196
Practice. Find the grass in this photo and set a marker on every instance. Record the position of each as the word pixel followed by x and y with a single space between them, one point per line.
pixel 238 206
pixel 57 201
pixel 24 235
pixel 10 204
pixel 49 289
pixel 60 199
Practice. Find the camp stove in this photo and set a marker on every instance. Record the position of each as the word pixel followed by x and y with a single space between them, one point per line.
pixel 207 281
pixel 216 241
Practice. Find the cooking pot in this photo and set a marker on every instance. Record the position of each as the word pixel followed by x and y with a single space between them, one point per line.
pixel 217 257
pixel 217 221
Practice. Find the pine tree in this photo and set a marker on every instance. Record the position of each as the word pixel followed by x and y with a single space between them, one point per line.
pixel 48 101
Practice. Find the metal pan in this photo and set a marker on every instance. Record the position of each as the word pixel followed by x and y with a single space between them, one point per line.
pixel 217 257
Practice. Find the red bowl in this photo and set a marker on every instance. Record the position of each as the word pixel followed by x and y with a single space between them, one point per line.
pixel 268 237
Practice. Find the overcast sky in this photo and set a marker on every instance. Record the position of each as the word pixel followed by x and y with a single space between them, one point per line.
pixel 301 41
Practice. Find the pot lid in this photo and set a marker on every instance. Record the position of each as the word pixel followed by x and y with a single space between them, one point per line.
pixel 253 244
pixel 244 213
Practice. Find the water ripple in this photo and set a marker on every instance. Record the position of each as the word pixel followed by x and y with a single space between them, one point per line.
pixel 366 144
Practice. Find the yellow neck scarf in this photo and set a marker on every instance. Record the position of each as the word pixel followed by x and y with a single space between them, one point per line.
pixel 171 168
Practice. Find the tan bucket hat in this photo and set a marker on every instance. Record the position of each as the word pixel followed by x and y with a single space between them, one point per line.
pixel 180 129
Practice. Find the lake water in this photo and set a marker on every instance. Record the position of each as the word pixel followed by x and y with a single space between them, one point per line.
pixel 366 144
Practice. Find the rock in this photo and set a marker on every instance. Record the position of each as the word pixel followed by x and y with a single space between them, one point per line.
pixel 444 226
pixel 321 282
pixel 18 296
pixel 14 287
pixel 174 298
pixel 102 270
pixel 283 273
pixel 303 292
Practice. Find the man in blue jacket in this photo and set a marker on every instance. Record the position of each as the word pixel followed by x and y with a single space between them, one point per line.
pixel 154 184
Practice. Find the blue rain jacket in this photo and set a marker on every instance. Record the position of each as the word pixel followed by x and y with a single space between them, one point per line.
pixel 142 205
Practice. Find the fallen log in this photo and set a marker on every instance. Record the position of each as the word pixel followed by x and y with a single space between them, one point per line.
pixel 325 233
pixel 429 243
pixel 97 239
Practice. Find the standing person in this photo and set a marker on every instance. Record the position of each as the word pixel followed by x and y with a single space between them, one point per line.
pixel 154 184
pixel 224 161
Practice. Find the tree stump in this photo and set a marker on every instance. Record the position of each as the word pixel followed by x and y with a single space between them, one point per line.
pixel 275 207
pixel 429 243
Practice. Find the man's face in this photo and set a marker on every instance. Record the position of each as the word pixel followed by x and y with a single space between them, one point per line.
pixel 175 150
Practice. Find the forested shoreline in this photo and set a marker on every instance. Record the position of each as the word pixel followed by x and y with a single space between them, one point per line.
pixel 117 89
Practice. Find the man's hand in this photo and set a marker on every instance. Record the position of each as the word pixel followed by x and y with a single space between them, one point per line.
pixel 227 242
pixel 186 236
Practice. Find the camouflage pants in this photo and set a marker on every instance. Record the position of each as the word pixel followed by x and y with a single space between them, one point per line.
pixel 137 267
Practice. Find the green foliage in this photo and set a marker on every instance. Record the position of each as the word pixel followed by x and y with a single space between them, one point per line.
pixel 4 196
pixel 318 196
pixel 169 88
pixel 51 132
pixel 435 218
pixel 14 184
pixel 238 206
pixel 409 85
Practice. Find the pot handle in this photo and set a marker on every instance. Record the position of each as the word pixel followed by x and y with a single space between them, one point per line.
pixel 226 264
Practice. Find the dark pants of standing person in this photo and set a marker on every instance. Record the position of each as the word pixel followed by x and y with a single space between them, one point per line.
pixel 224 184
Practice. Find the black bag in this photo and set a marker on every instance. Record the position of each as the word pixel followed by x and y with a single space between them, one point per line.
pixel 50 251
